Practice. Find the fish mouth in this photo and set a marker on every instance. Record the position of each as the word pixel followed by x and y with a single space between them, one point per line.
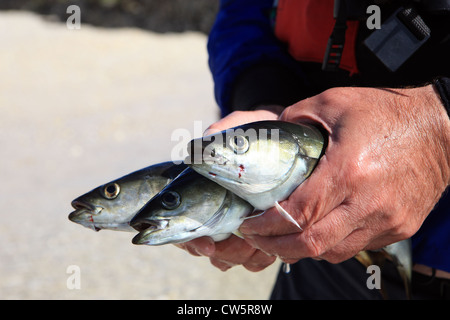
pixel 79 205
pixel 84 213
pixel 146 227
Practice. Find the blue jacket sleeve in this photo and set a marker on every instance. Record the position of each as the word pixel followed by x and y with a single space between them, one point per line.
pixel 241 39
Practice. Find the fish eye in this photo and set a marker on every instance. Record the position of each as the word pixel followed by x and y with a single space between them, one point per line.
pixel 170 200
pixel 111 191
pixel 239 144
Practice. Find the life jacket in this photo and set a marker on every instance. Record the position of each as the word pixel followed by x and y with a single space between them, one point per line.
pixel 305 26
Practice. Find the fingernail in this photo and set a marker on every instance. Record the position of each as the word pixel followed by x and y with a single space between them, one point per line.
pixel 208 132
pixel 224 268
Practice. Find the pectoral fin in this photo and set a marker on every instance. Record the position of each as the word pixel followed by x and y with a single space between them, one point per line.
pixel 286 215
pixel 237 233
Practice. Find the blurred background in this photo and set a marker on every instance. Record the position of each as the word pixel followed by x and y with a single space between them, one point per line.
pixel 79 108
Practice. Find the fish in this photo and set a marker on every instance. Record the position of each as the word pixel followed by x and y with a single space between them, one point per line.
pixel 189 207
pixel 262 162
pixel 112 206
pixel 400 253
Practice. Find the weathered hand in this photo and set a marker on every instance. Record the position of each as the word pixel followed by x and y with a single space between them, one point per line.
pixel 234 251
pixel 385 167
pixel 228 253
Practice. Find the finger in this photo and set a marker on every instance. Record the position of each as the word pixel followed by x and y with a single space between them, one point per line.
pixel 221 265
pixel 308 203
pixel 314 110
pixel 232 120
pixel 314 241
pixel 270 223
pixel 230 252
pixel 187 248
pixel 238 118
pixel 203 246
pixel 235 251
pixel 347 248
pixel 259 261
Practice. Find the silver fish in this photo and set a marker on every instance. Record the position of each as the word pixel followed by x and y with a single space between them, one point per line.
pixel 112 205
pixel 262 162
pixel 191 206
pixel 401 255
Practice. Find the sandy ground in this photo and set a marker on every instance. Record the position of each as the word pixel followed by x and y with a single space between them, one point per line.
pixel 79 108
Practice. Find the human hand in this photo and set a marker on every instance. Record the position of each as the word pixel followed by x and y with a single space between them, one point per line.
pixel 237 118
pixel 234 251
pixel 385 167
pixel 228 253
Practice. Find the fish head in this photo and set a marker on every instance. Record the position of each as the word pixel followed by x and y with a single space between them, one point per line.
pixel 105 207
pixel 112 205
pixel 179 211
pixel 256 157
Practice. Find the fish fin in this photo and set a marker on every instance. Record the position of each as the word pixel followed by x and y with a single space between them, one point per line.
pixel 286 215
pixel 214 220
pixel 216 217
pixel 400 253
pixel 254 215
pixel 237 233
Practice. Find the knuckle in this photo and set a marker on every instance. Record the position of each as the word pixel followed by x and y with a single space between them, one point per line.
pixel 259 264
pixel 334 96
pixel 313 247
pixel 402 230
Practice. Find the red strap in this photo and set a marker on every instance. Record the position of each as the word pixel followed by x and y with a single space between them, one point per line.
pixel 306 25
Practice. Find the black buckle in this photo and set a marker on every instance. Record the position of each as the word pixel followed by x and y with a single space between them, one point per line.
pixel 400 36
